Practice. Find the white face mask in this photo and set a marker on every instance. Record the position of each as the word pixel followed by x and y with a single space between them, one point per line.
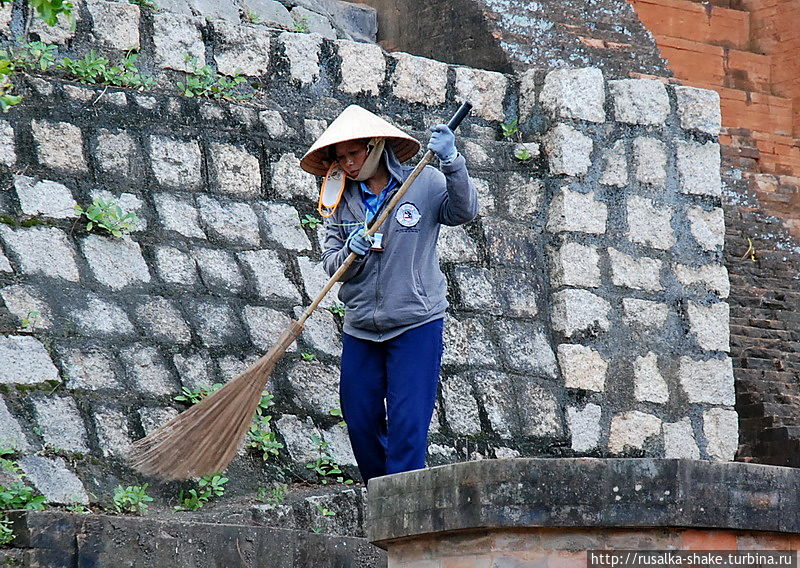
pixel 375 148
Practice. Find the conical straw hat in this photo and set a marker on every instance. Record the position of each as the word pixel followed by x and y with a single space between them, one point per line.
pixel 355 123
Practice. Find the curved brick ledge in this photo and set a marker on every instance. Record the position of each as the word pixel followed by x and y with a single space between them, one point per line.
pixel 583 492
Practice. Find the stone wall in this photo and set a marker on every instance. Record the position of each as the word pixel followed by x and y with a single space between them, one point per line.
pixel 588 312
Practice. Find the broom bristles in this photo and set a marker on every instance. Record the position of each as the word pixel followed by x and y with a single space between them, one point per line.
pixel 204 439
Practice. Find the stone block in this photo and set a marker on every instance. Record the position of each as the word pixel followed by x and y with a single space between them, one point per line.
pixel 455 245
pixel 276 127
pixel 579 311
pixel 41 250
pixel 61 424
pixel 340 449
pixel 615 171
pixel 709 381
pixel 582 367
pixel 707 227
pixel 519 290
pixel 216 9
pixel 650 159
pixel 241 49
pixel 175 266
pixel 526 348
pixel 234 222
pixel 315 386
pixel 486 90
pixel 698 168
pixel 195 370
pixel 466 342
pixel 21 300
pixel 154 417
pixel 321 332
pixel 219 270
pixel 574 211
pixel 460 406
pixel 535 412
pixel 102 317
pixel 176 163
pixel 177 212
pixel 44 197
pixel 269 275
pixel 632 430
pixel 363 67
pixel 639 101
pixel 148 371
pixel 5 265
pixel 574 264
pixel 584 427
pixel 282 225
pixel 648 383
pixel 81 95
pixel 419 80
pixel 637 273
pixel 312 22
pixel 574 93
pixel 699 109
pixel 8 152
pixel 89 369
pixel 174 37
pixel 297 435
pixel 162 321
pixel 486 199
pixel 232 366
pixel 477 289
pixel 509 243
pixel 117 154
pixel 314 280
pixel 54 480
pixel 115 24
pixel 215 323
pixel 644 313
pixel 710 325
pixel 116 98
pixel 113 436
pixel 236 171
pixel 721 430
pixel 568 151
pixel 265 326
pixel 11 434
pixel 524 195
pixel 650 223
pixel 527 93
pixel 60 34
pixel 314 128
pixel 707 277
pixel 270 13
pixel 679 442
pixel 302 51
pixel 59 145
pixel 115 263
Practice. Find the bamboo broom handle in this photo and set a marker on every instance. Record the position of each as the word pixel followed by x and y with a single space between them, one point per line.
pixel 426 159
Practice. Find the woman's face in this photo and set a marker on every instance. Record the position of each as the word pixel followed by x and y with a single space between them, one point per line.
pixel 351 156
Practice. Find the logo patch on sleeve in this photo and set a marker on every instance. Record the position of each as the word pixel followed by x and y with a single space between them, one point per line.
pixel 407 214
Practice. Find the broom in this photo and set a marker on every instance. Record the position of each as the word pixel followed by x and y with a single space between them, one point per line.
pixel 204 439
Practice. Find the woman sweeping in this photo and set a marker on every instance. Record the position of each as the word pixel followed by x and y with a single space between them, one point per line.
pixel 395 293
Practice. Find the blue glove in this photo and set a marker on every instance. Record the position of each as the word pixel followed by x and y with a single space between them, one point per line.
pixel 358 242
pixel 443 143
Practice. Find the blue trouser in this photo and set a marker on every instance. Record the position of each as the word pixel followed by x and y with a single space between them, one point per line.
pixel 403 372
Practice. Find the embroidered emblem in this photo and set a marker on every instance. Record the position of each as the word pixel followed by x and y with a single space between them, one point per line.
pixel 407 215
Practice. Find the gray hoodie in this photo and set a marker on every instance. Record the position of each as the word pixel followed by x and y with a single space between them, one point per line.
pixel 401 287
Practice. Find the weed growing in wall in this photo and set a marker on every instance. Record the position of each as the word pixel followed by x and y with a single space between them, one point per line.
pixel 273 497
pixel 325 466
pixel 15 496
pixel 301 25
pixel 193 396
pixel 132 499
pixel 107 216
pixel 209 486
pixel 49 10
pixel 94 69
pixel 310 221
pixel 203 81
pixel 145 4
pixel 260 436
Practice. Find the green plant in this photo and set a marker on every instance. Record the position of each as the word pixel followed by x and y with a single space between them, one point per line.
pixel 301 25
pixel 95 69
pixel 205 82
pixel 325 512
pixel 209 486
pixel 308 356
pixel 7 99
pixel 131 499
pixel 214 484
pixel 310 221
pixel 325 466
pixel 253 18
pixel 275 496
pixel 8 464
pixel 108 216
pixel 6 534
pixel 338 413
pixel 20 496
pixel 522 154
pixel 145 4
pixel 31 56
pixel 510 128
pixel 337 309
pixel 193 396
pixel 260 436
pixel 29 322
pixel 78 508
